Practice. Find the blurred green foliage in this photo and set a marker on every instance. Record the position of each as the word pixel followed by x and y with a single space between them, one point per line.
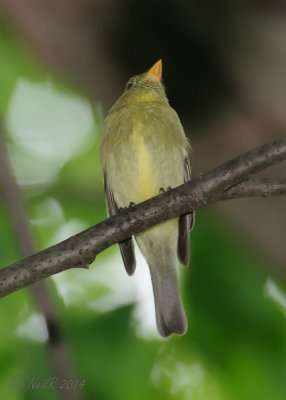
pixel 235 346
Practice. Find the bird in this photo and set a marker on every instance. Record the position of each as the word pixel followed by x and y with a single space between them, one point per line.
pixel 144 150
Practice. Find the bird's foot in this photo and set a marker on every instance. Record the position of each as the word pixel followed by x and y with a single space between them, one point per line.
pixel 165 191
pixel 124 210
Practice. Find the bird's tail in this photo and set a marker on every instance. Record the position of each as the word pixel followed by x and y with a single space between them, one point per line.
pixel 170 314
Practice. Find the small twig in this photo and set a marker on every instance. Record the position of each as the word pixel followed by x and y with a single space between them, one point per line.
pixel 256 187
pixel 81 249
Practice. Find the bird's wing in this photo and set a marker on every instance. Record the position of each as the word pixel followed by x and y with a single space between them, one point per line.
pixel 127 246
pixel 186 224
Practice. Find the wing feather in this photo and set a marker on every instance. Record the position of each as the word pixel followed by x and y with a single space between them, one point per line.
pixel 127 246
pixel 186 224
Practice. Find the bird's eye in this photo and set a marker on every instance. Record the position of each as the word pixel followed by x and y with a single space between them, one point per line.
pixel 129 85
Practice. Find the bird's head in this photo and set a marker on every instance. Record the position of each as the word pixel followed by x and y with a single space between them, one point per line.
pixel 144 88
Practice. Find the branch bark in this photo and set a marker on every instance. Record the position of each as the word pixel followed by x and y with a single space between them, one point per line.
pixel 221 183
pixel 256 187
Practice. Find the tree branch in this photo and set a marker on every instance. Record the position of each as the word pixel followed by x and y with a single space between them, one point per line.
pixel 58 352
pixel 255 187
pixel 80 250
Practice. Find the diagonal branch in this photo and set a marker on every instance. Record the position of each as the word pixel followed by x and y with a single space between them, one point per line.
pixel 81 249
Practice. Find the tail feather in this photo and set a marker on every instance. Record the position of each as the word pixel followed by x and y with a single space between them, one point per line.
pixel 158 245
pixel 170 314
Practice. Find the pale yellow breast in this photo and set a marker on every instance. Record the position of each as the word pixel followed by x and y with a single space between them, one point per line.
pixel 142 151
pixel 145 169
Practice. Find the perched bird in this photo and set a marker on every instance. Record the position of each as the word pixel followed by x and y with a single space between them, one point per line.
pixel 143 151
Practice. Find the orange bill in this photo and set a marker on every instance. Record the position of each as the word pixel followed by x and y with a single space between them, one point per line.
pixel 155 71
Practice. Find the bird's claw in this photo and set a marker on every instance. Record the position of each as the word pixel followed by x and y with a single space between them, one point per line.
pixel 165 191
pixel 124 210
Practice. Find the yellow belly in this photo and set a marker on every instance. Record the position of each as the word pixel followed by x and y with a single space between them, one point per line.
pixel 141 165
pixel 146 175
